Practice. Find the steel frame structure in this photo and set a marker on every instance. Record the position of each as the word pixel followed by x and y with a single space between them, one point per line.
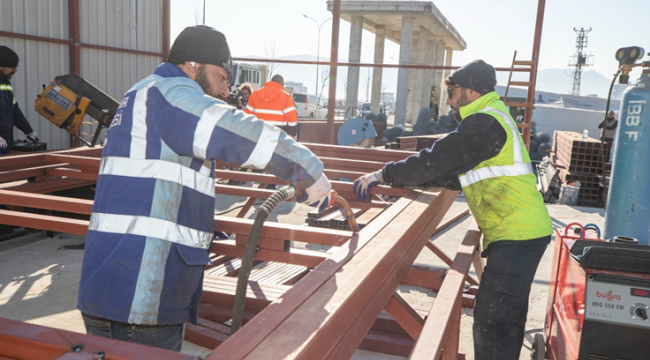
pixel 334 302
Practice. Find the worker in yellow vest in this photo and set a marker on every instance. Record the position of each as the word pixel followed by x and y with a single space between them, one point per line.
pixel 485 157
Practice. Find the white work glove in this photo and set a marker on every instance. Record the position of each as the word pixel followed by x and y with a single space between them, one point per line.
pixel 318 195
pixel 363 184
pixel 3 143
pixel 33 136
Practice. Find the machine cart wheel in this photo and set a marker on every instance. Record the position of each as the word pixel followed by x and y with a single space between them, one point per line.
pixel 539 348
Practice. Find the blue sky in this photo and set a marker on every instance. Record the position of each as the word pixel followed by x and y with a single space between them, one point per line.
pixel 493 30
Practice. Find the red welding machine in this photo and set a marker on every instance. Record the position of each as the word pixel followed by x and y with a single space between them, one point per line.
pixel 598 302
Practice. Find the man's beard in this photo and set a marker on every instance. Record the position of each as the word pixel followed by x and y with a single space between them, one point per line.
pixel 462 102
pixel 204 83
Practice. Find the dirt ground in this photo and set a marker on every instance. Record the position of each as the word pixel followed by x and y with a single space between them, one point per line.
pixel 39 277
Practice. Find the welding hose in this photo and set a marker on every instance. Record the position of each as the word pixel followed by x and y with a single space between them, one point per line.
pixel 582 234
pixel 285 193
pixel 594 227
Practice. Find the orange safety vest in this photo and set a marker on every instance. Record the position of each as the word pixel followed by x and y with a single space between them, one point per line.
pixel 273 104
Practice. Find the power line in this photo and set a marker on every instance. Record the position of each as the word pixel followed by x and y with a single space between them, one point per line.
pixel 580 59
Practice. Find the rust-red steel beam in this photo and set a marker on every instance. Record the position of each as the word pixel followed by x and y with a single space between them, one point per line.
pixel 44 222
pixel 260 327
pixel 22 341
pixel 442 317
pixel 351 340
pixel 307 258
pixel 280 231
pixel 46 202
pixel 405 316
pixel 338 315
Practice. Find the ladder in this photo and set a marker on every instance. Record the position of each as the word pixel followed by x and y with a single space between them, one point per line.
pixel 530 97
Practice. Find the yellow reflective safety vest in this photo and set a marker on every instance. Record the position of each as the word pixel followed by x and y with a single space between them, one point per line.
pixel 502 191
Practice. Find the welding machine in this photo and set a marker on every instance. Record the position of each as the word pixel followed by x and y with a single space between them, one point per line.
pixel 599 301
pixel 68 98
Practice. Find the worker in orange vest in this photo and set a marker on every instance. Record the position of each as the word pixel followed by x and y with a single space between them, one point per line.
pixel 273 104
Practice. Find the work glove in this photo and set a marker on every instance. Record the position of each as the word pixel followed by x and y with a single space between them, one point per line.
pixel 363 184
pixel 318 195
pixel 3 143
pixel 33 136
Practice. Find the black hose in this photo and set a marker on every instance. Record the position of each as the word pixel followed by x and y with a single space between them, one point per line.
pixel 602 140
pixel 263 212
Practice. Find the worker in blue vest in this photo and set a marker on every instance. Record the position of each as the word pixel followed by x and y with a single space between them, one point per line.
pixel 486 158
pixel 152 222
pixel 10 113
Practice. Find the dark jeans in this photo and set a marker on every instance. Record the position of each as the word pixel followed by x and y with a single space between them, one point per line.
pixel 5 151
pixel 502 300
pixel 168 337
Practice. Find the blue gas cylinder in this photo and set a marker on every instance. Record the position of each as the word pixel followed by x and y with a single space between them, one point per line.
pixel 628 200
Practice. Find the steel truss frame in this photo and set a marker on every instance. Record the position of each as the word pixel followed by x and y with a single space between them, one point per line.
pixel 335 302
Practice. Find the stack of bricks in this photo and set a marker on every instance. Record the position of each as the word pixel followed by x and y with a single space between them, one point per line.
pixel 579 160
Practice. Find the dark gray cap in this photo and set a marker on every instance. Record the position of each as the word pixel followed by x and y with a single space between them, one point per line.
pixel 8 57
pixel 477 75
pixel 201 44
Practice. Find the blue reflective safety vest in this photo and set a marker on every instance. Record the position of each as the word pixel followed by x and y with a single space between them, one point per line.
pixel 152 222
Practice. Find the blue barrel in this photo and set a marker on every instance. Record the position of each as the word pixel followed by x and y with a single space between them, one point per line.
pixel 628 200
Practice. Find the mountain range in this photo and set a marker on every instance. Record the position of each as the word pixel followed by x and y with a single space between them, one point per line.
pixel 552 80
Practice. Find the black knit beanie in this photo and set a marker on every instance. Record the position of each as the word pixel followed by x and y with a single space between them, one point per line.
pixel 477 75
pixel 201 44
pixel 8 57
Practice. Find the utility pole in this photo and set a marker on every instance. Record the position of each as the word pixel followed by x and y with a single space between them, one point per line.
pixel 580 59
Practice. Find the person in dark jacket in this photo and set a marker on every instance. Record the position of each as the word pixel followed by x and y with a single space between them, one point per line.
pixel 10 113
pixel 486 157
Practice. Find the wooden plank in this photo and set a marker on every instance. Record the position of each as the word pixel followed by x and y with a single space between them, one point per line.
pixel 405 316
pixel 221 290
pixel 277 273
pixel 441 318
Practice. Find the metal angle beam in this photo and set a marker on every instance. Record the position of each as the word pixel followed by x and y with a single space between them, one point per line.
pixel 260 327
pixel 22 341
pixel 441 319
pixel 367 279
pixel 405 316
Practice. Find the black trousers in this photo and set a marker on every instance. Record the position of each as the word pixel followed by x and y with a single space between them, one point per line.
pixel 502 300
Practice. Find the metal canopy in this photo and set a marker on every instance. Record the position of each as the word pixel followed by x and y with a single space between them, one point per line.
pixel 389 14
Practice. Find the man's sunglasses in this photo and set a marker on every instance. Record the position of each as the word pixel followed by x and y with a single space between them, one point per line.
pixel 450 90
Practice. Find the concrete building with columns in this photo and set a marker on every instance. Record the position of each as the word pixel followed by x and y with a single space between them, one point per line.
pixel 425 37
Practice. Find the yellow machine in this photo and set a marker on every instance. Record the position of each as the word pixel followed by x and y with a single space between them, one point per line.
pixel 68 98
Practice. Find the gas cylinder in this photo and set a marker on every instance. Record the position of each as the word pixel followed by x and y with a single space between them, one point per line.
pixel 628 200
